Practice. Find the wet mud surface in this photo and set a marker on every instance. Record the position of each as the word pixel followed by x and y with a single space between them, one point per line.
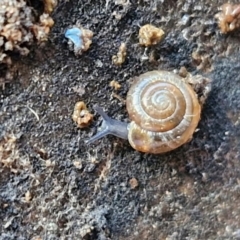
pixel 54 186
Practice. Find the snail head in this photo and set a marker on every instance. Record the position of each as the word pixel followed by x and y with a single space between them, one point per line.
pixel 109 126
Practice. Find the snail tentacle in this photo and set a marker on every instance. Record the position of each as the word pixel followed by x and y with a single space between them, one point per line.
pixel 109 126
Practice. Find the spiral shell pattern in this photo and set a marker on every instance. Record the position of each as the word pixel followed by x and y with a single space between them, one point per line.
pixel 164 112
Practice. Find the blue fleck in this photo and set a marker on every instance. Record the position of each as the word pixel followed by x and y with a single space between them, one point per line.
pixel 74 34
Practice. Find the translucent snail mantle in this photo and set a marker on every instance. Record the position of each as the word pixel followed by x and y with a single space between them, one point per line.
pixel 164 110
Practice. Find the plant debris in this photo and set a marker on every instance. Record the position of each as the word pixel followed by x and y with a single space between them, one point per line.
pixel 150 35
pixel 119 59
pixel 115 84
pixel 79 39
pixel 81 115
pixel 229 17
pixel 20 27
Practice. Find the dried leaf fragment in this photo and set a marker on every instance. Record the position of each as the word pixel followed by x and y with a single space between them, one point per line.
pixel 81 115
pixel 119 59
pixel 229 17
pixel 10 156
pixel 41 30
pixel 133 183
pixel 114 84
pixel 49 5
pixel 150 35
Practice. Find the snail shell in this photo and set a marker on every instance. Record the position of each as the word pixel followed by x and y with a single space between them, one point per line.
pixel 164 112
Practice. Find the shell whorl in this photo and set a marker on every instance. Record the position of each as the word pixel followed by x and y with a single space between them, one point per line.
pixel 164 111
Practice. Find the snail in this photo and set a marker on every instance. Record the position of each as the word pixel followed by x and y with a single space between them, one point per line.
pixel 164 110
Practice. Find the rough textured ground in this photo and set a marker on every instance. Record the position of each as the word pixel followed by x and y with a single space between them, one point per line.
pixel 53 186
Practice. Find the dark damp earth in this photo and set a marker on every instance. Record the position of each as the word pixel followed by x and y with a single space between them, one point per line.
pixel 54 186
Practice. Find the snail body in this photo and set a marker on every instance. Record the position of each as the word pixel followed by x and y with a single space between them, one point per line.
pixel 164 111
